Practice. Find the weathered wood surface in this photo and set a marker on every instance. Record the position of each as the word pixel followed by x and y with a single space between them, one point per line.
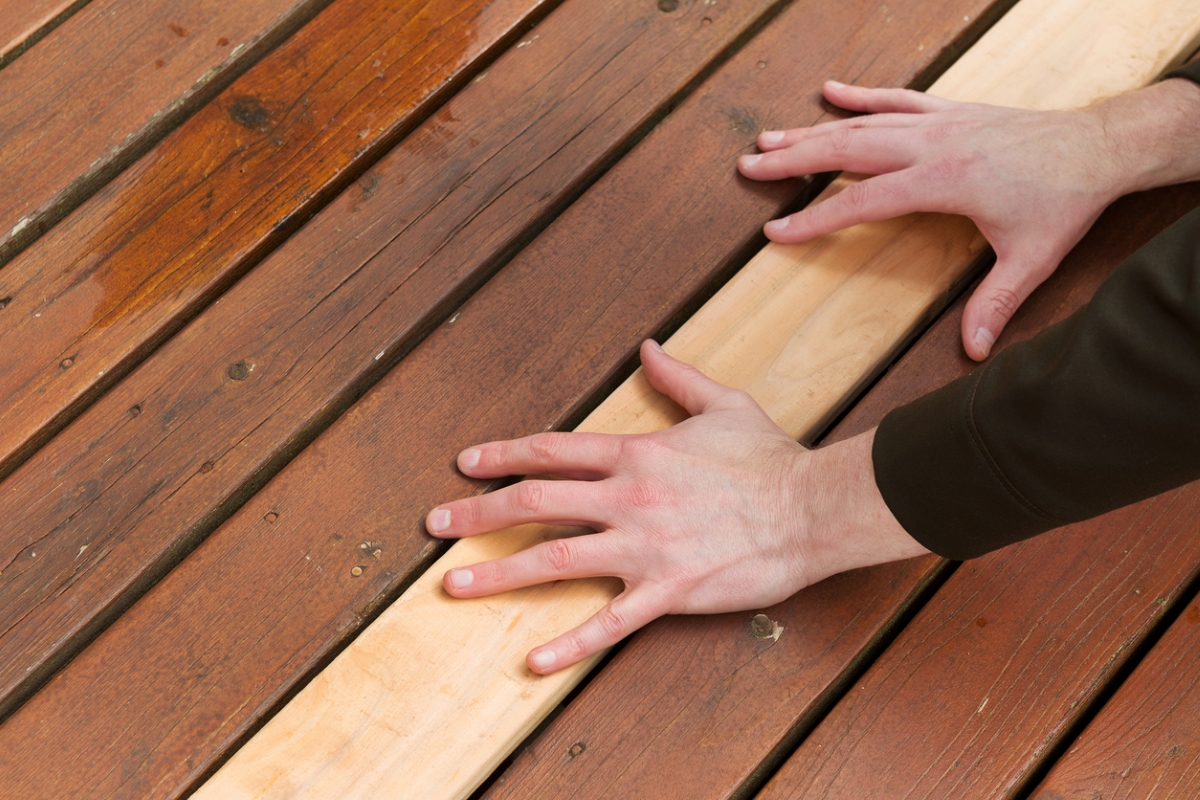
pixel 557 324
pixel 696 706
pixel 97 91
pixel 192 431
pixel 108 284
pixel 1145 742
pixel 1001 663
pixel 852 298
pixel 23 23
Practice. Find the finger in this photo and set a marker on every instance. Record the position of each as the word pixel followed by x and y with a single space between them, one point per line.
pixel 866 150
pixel 881 197
pixel 587 556
pixel 777 140
pixel 994 302
pixel 549 502
pixel 583 456
pixel 906 101
pixel 685 384
pixel 624 615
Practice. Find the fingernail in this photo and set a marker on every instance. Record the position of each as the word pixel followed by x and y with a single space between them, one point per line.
pixel 750 161
pixel 469 458
pixel 543 659
pixel 836 84
pixel 777 225
pixel 439 520
pixel 771 137
pixel 984 340
pixel 461 578
pixel 655 346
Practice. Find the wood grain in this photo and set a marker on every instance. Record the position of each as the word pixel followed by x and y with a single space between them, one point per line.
pixel 221 406
pixel 23 23
pixel 799 327
pixel 1145 742
pixel 102 87
pixel 129 478
pixel 162 240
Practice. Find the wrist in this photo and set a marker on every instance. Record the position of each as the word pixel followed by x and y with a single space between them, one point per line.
pixel 850 524
pixel 1149 136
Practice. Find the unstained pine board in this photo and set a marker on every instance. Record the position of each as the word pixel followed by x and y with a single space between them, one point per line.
pixel 849 315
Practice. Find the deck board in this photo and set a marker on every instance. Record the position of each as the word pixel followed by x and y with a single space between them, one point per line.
pixel 1145 742
pixel 23 23
pixel 109 283
pixel 102 87
pixel 154 465
pixel 269 615
pixel 999 665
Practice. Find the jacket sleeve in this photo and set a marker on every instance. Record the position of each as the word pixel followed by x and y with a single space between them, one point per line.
pixel 1093 413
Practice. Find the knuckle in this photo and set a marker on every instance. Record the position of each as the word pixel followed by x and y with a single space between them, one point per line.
pixel 857 198
pixel 641 495
pixel 530 496
pixel 840 141
pixel 574 646
pixel 1004 302
pixel 546 446
pixel 470 513
pixel 558 555
pixel 611 622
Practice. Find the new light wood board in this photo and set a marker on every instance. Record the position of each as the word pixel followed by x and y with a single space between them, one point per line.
pixel 433 695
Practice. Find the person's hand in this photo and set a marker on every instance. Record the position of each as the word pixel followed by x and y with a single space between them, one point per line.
pixel 722 512
pixel 1033 182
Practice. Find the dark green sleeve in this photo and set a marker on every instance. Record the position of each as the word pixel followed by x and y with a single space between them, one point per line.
pixel 1096 412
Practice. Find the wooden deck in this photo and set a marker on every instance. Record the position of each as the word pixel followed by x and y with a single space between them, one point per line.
pixel 267 266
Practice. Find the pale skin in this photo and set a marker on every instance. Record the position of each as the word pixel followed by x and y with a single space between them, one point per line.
pixel 724 512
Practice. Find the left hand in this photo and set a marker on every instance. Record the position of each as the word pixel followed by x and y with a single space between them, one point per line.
pixel 721 512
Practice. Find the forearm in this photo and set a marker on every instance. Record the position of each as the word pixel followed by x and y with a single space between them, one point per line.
pixel 1151 133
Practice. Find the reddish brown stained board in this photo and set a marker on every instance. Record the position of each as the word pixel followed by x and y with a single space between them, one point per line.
pixel 95 92
pixel 271 594
pixel 105 286
pixel 979 688
pixel 696 707
pixel 1145 742
pixel 142 474
pixel 24 22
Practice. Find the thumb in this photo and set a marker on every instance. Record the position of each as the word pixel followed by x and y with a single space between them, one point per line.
pixel 683 383
pixel 994 302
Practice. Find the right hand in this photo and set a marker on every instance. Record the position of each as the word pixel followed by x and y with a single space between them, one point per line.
pixel 1032 181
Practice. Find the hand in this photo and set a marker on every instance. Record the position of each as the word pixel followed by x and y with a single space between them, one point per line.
pixel 1033 182
pixel 722 512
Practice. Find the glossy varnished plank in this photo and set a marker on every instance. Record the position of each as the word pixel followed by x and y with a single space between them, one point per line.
pixel 25 22
pixel 1145 743
pixel 1003 660
pixel 97 91
pixel 108 505
pixel 85 302
pixel 265 599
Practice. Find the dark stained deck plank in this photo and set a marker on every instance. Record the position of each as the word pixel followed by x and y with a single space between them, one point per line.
pixel 104 509
pixel 106 286
pixel 1000 665
pixel 103 86
pixel 190 433
pixel 23 23
pixel 1145 743
pixel 698 707
pixel 270 596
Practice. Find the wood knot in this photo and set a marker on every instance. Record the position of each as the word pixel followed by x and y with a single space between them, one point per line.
pixel 207 467
pixel 667 6
pixel 238 372
pixel 981 622
pixel 576 750
pixel 271 516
